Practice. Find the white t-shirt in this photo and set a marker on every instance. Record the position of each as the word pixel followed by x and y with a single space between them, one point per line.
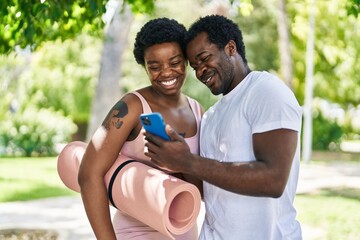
pixel 260 103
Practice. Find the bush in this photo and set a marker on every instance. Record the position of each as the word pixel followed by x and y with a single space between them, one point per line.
pixel 35 133
pixel 327 133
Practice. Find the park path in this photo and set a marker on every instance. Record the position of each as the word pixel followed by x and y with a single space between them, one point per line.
pixel 67 216
pixel 332 175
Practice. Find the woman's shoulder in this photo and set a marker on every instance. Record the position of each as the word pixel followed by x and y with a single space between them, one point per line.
pixel 143 92
pixel 138 99
pixel 132 100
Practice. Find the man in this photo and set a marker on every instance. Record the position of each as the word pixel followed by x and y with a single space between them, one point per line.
pixel 249 141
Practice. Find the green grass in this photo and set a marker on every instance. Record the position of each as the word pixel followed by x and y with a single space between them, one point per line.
pixel 334 212
pixel 30 178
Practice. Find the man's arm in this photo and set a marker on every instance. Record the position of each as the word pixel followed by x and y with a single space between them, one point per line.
pixel 267 176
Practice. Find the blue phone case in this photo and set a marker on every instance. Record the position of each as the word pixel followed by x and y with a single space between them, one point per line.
pixel 154 123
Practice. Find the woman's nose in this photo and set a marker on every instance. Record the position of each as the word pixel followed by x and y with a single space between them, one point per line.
pixel 166 71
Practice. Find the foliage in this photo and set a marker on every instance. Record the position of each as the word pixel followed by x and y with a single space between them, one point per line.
pixel 258 29
pixel 340 51
pixel 327 133
pixel 31 23
pixel 353 7
pixel 141 6
pixel 336 51
pixel 62 76
pixel 35 132
pixel 336 48
pixel 59 78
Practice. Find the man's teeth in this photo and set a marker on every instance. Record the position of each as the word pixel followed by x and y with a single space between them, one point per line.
pixel 168 83
pixel 207 80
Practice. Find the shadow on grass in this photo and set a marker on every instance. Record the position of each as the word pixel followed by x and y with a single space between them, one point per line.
pixel 38 192
pixel 11 234
pixel 344 192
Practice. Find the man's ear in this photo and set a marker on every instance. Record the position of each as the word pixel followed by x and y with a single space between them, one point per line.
pixel 230 48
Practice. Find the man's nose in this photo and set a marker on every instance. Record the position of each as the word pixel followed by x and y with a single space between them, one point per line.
pixel 201 70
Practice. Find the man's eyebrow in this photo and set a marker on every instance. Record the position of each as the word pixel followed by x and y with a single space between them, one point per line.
pixel 197 56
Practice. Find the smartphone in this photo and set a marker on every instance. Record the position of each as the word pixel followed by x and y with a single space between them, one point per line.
pixel 155 124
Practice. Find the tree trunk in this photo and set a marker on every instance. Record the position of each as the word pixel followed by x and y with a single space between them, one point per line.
pixel 307 136
pixel 108 88
pixel 286 67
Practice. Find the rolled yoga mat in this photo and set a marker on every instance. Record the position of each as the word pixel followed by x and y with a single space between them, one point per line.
pixel 163 202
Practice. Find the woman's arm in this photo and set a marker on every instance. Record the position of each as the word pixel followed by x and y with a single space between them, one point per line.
pixel 100 155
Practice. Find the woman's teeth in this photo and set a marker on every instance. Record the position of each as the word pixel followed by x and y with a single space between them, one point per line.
pixel 168 83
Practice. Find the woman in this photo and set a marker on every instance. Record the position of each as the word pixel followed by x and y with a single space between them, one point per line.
pixel 159 47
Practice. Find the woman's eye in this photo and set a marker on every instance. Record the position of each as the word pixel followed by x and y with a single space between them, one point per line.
pixel 154 68
pixel 174 64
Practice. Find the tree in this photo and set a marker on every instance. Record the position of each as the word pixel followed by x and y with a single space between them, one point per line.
pixel 108 88
pixel 259 28
pixel 307 137
pixel 353 7
pixel 30 23
pixel 286 63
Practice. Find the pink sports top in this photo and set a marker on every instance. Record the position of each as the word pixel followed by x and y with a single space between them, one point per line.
pixel 135 148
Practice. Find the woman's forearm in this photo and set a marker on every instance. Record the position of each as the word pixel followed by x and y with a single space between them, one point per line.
pixel 96 203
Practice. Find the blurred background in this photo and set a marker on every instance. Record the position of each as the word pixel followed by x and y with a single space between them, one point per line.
pixel 63 64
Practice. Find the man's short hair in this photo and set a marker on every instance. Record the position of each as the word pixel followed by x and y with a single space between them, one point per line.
pixel 220 31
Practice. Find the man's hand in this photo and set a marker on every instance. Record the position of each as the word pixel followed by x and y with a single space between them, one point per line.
pixel 173 155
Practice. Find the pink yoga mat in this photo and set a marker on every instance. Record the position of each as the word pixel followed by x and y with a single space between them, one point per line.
pixel 163 202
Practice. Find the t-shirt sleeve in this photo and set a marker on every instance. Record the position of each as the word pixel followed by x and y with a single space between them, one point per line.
pixel 273 106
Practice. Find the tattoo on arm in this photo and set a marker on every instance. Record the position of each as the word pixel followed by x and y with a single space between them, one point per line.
pixel 115 115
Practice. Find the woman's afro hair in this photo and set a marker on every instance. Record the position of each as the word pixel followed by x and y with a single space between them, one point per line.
pixel 159 30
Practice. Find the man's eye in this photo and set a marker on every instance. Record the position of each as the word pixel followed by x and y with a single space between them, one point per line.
pixel 205 58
